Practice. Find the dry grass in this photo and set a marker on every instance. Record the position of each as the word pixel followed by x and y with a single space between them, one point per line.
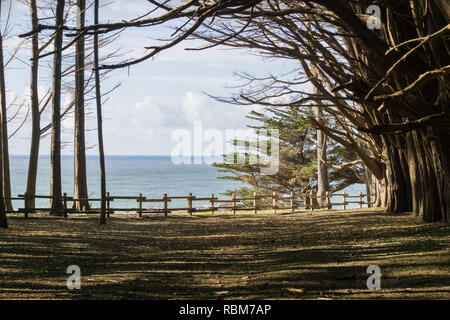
pixel 320 255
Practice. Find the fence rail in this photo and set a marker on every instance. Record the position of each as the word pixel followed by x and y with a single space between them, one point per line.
pixel 290 202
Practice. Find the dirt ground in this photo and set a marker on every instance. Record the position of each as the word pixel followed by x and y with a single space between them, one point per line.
pixel 319 255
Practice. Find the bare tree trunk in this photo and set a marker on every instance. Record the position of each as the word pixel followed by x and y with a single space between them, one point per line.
pixel 3 219
pixel 55 164
pixel 322 169
pixel 99 123
pixel 80 183
pixel 370 187
pixel 36 117
pixel 4 135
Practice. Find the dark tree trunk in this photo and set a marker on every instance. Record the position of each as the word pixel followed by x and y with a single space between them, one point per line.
pixel 415 178
pixel 98 97
pixel 55 161
pixel 3 219
pixel 36 118
pixel 4 134
pixel 435 189
pixel 397 188
pixel 417 162
pixel 80 180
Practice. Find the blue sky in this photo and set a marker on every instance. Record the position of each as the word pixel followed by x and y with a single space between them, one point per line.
pixel 155 98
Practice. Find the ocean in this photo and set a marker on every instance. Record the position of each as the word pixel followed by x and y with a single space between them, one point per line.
pixel 153 176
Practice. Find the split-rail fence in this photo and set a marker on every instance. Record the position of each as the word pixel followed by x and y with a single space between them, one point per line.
pixel 274 202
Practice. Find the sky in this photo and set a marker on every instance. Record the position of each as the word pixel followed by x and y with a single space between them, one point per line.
pixel 155 97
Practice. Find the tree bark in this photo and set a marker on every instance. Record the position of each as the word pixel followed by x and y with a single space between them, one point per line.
pixel 55 161
pixel 99 122
pixel 36 118
pixel 80 179
pixel 417 162
pixel 4 134
pixel 322 169
pixel 3 219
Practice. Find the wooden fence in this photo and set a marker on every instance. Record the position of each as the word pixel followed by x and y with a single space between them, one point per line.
pixel 274 202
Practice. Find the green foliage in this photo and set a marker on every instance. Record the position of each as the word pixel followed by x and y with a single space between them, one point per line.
pixel 298 158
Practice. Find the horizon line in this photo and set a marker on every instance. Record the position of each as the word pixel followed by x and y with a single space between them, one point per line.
pixel 122 155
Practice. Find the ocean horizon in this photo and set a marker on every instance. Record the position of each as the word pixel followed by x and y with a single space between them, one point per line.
pixel 151 175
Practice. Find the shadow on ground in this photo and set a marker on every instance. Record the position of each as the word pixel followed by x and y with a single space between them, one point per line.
pixel 294 256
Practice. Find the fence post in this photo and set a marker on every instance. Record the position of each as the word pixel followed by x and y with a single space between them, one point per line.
pixel 233 198
pixel 305 201
pixel 165 204
pixel 65 205
pixel 292 201
pixel 25 205
pixel 107 205
pixel 311 195
pixel 190 203
pixel 344 196
pixel 274 202
pixel 255 195
pixel 212 204
pixel 329 206
pixel 140 204
pixel 360 200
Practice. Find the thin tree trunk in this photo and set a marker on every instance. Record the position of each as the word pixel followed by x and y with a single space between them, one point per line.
pixel 80 183
pixel 55 162
pixel 4 134
pixel 99 122
pixel 3 219
pixel 36 118
pixel 322 169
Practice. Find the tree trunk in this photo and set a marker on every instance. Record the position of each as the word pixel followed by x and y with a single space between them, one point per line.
pixel 397 189
pixel 434 191
pixel 322 169
pixel 415 178
pixel 417 162
pixel 80 180
pixel 4 135
pixel 3 219
pixel 36 118
pixel 371 188
pixel 99 122
pixel 55 162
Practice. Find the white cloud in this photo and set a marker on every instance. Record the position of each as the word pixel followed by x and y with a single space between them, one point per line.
pixel 68 123
pixel 194 108
pixel 149 113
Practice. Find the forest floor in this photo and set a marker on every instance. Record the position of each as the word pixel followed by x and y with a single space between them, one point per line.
pixel 318 255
